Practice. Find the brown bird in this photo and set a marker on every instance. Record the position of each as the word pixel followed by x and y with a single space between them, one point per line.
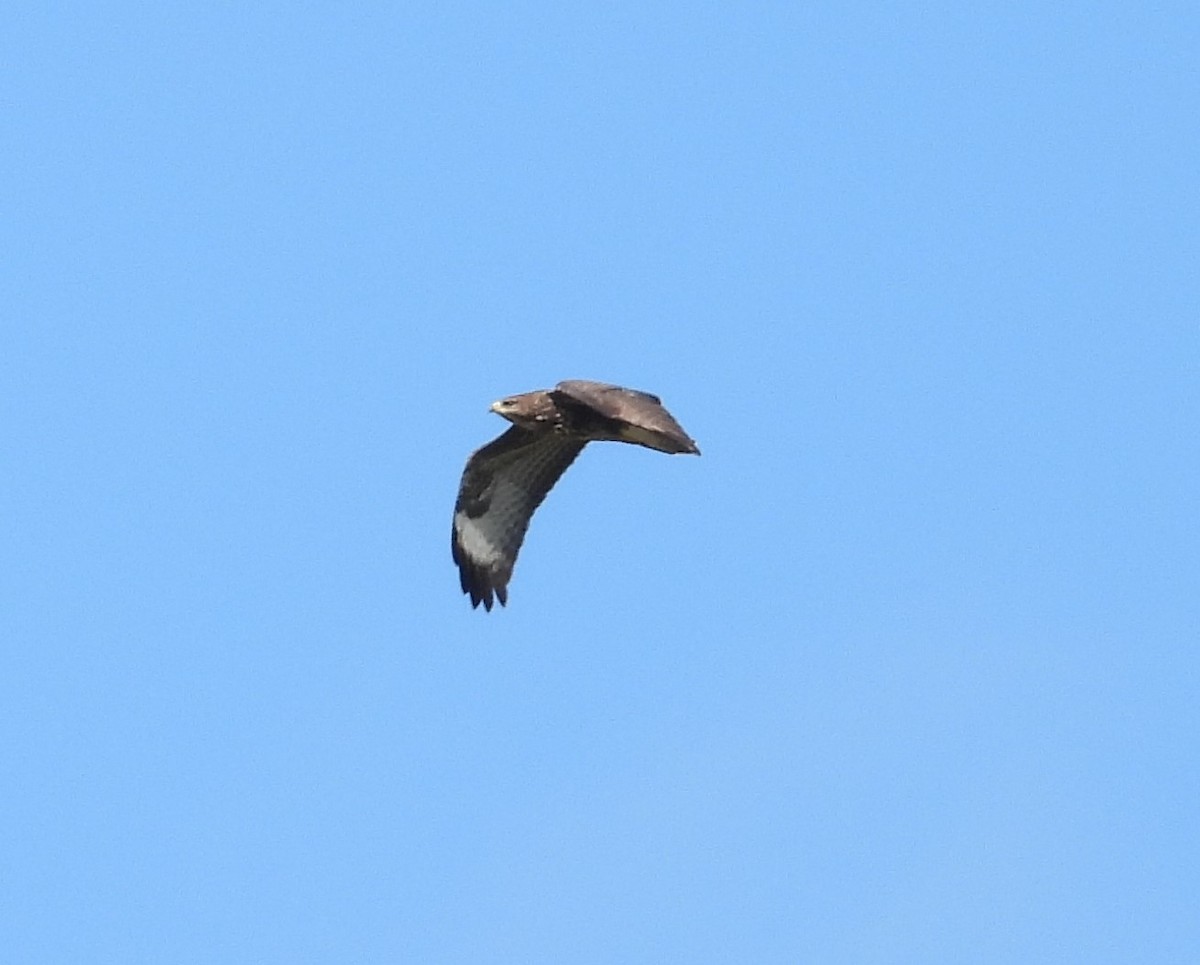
pixel 506 480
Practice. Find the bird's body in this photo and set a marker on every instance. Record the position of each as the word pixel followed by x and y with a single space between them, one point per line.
pixel 506 480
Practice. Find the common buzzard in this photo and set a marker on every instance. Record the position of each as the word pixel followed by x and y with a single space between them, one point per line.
pixel 506 480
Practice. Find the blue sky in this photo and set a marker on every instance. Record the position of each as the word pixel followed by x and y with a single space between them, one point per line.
pixel 902 669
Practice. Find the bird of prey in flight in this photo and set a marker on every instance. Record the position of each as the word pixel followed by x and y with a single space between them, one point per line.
pixel 506 480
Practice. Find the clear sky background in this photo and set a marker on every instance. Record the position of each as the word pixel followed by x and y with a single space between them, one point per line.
pixel 903 669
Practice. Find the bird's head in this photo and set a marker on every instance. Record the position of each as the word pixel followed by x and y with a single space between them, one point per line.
pixel 530 410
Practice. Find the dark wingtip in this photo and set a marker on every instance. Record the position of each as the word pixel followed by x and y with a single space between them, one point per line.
pixel 477 582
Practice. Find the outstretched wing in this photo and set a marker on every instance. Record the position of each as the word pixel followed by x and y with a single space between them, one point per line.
pixel 638 417
pixel 503 484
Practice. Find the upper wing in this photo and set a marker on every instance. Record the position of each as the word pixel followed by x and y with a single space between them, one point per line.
pixel 640 416
pixel 503 484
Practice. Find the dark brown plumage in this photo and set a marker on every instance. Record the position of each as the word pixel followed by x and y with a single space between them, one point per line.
pixel 506 480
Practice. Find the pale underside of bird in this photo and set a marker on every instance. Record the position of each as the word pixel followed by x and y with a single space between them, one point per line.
pixel 506 480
